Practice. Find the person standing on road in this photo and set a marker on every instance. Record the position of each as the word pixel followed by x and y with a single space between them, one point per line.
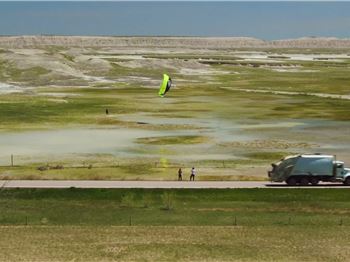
pixel 193 174
pixel 180 174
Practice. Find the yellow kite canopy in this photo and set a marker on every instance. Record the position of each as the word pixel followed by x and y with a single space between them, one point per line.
pixel 165 86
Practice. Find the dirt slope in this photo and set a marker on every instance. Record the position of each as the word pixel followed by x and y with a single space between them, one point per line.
pixel 177 42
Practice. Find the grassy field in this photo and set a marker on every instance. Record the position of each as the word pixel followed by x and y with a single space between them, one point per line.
pixel 169 243
pixel 141 172
pixel 208 119
pixel 174 225
pixel 230 113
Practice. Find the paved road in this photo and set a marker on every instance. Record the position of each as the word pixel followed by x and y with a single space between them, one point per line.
pixel 148 184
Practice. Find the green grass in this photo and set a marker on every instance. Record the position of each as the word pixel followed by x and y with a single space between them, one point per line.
pixel 88 108
pixel 166 140
pixel 68 57
pixel 267 156
pixel 204 207
pixel 205 224
pixel 199 99
pixel 326 78
pixel 9 72
pixel 134 170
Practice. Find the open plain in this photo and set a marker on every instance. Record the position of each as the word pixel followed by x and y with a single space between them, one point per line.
pixel 236 105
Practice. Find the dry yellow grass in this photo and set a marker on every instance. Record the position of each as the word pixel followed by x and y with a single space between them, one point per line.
pixel 175 243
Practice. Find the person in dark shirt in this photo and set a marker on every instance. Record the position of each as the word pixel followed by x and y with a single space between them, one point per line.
pixel 179 172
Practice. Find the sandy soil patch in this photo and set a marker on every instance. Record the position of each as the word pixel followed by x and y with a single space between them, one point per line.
pixel 57 100
pixel 8 89
pixel 293 70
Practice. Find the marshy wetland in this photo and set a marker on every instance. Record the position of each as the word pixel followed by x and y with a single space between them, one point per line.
pixel 230 112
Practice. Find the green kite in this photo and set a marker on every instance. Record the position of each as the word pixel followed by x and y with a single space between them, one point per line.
pixel 165 86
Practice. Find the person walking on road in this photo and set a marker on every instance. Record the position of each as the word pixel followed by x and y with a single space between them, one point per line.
pixel 193 174
pixel 180 174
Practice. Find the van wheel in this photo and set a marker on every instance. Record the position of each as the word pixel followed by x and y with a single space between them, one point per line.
pixel 291 181
pixel 314 181
pixel 304 181
pixel 347 181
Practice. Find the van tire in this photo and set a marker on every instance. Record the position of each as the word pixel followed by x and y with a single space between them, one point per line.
pixel 314 181
pixel 347 181
pixel 291 181
pixel 304 181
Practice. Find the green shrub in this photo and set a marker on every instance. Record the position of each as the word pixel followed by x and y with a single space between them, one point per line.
pixel 128 200
pixel 168 200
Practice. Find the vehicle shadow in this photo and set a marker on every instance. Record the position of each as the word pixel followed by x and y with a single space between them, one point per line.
pixel 308 186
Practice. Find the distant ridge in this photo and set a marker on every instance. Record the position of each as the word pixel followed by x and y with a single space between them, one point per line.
pixel 170 42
